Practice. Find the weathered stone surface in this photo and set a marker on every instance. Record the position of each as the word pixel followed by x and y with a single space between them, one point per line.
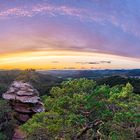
pixel 24 99
pixel 38 108
pixel 8 96
pixel 22 108
pixel 23 92
pixel 23 117
pixel 19 134
pixel 28 99
pixel 11 90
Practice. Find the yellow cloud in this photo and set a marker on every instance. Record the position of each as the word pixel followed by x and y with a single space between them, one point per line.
pixel 66 59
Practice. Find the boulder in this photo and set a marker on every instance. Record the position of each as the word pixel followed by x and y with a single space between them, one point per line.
pixel 22 108
pixel 38 108
pixel 24 99
pixel 23 92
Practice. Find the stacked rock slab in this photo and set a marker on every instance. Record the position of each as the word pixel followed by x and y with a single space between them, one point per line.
pixel 24 100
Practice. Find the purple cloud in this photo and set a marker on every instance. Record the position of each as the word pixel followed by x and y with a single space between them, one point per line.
pixel 116 16
pixel 110 26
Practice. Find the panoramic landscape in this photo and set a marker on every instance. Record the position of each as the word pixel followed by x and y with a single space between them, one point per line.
pixel 69 70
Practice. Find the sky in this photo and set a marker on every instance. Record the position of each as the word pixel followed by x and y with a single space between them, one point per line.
pixel 69 34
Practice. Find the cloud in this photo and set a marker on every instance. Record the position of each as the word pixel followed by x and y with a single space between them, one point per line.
pixel 113 22
pixel 55 61
pixel 109 13
pixel 94 63
pixel 53 68
pixel 69 68
pixel 51 10
pixel 91 63
pixel 17 12
pixel 108 62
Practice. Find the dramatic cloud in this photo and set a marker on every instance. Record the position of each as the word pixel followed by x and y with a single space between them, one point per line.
pixel 108 27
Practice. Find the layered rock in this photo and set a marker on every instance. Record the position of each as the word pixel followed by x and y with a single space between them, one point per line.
pixel 24 100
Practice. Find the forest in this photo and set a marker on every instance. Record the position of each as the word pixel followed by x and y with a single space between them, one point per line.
pixel 75 109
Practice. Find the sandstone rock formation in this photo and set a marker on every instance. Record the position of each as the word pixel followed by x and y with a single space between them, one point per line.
pixel 24 100
pixel 19 134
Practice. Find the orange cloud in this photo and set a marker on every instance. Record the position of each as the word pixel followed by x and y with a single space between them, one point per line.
pixel 66 59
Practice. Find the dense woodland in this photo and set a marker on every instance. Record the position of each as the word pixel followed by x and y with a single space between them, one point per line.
pixel 105 108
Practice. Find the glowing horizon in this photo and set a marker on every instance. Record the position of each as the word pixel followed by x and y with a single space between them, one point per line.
pixel 47 60
pixel 58 34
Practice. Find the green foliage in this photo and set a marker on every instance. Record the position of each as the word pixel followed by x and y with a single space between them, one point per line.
pixel 52 125
pixel 3 88
pixel 7 123
pixel 75 105
pixel 2 136
pixel 79 109
pixel 120 80
pixel 79 86
pixel 4 109
pixel 28 75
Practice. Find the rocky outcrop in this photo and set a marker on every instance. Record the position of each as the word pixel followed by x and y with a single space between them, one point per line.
pixel 24 100
pixel 19 134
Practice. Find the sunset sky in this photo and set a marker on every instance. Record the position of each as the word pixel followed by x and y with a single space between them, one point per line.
pixel 69 34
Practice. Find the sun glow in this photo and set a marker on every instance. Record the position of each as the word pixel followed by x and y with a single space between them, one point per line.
pixel 65 60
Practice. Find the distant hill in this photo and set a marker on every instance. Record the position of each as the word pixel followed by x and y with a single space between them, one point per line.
pixel 45 80
pixel 91 73
pixel 43 83
pixel 109 77
pixel 119 80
